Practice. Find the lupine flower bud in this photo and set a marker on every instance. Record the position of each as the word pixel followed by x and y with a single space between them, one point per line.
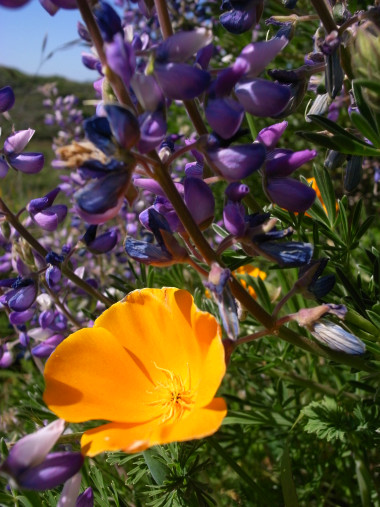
pixel 224 116
pixel 253 96
pixel 337 338
pixel 236 191
pixel 53 276
pixel 353 173
pixel 242 16
pixel 233 216
pixel 292 254
pixel 290 194
pixel 17 141
pixel 7 99
pixel 17 318
pixel 108 20
pixel 269 136
pixel 283 162
pixel 199 200
pixel 257 55
pixel 217 284
pixel 86 499
pixel 45 214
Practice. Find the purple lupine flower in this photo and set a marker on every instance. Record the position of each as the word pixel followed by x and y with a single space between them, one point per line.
pixel 66 4
pixel 218 285
pixel 224 116
pixel 241 16
pixel 53 276
pixel 283 162
pixel 101 244
pixel 199 200
pixel 257 55
pixel 290 194
pixel 166 253
pixel 108 20
pixel 123 124
pixel 311 283
pixel 30 465
pixel 236 191
pixel 7 99
pixel 253 96
pixel 121 58
pixel 29 163
pixel 47 347
pixel 153 130
pixel 236 162
pixel 70 491
pixel 6 359
pixel 22 295
pixel 181 81
pixel 337 338
pixel 269 136
pixel 44 213
pixel 233 217
pixel 86 499
pixel 17 318
pixel 147 91
pixel 182 45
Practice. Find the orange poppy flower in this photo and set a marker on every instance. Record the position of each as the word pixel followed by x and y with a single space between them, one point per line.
pixel 151 364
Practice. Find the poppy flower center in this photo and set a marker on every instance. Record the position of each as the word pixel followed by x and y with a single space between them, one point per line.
pixel 174 395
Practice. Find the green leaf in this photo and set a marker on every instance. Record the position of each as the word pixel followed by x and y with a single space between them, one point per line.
pixel 365 128
pixel 362 104
pixel 289 491
pixel 375 318
pixel 327 192
pixel 333 127
pixel 160 472
pixel 359 321
pixel 343 222
pixel 327 420
pixel 220 231
pixel 320 139
pixel 368 83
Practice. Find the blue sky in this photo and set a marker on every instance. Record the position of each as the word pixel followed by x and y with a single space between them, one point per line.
pixel 22 32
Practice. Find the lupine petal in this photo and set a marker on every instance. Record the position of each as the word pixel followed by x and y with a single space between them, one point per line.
pixel 57 468
pixel 253 95
pixel 337 338
pixel 153 130
pixel 108 20
pixel 181 81
pixel 50 218
pixel 98 131
pixel 290 194
pixel 146 253
pixel 233 217
pixel 292 254
pixel 4 167
pixel 241 18
pixel 16 142
pixel 199 199
pixel 236 191
pixel 237 162
pixel 182 45
pixel 121 58
pixel 7 99
pixel 269 136
pixel 47 347
pixel 32 449
pixel 49 6
pixel 257 55
pixel 41 203
pixel 66 4
pixel 86 499
pixel 29 163
pixel 224 116
pixel 147 91
pixel 283 162
pixel 23 297
pixel 124 125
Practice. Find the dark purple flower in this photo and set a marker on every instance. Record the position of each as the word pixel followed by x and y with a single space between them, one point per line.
pixel 49 6
pixel 121 58
pixel 257 55
pixel 153 130
pixel 236 191
pixel 181 81
pixel 22 295
pixel 289 254
pixel 124 125
pixel 98 131
pixel 290 194
pixel 47 347
pixel 269 136
pixel 108 20
pixel 13 4
pixel 101 244
pixel 7 99
pixel 242 15
pixel 233 217
pixel 182 45
pixel 237 162
pixel 283 162
pixel 86 499
pixel 17 318
pixel 53 276
pixel 29 163
pixel 66 4
pixel 253 95
pixel 147 91
pixel 224 116
pixel 46 214
pixel 199 200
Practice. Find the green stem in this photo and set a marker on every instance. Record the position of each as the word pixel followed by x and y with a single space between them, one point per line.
pixel 36 245
pixel 116 82
pixel 325 15
pixel 251 125
pixel 237 468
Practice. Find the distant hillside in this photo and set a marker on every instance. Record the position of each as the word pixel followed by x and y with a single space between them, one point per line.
pixel 28 110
